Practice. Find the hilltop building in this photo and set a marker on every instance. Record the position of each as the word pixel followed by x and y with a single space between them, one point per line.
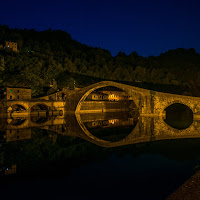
pixel 11 46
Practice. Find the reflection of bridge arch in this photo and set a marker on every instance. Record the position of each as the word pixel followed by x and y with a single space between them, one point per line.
pixel 18 123
pixel 90 137
pixel 162 128
pixel 146 130
pixel 178 131
pixel 103 84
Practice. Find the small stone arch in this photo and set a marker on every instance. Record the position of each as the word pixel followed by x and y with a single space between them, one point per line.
pixel 41 106
pixel 16 107
pixel 177 101
pixel 170 125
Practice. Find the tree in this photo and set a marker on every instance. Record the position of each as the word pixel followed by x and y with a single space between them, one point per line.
pixel 140 74
pixel 2 68
pixel 20 44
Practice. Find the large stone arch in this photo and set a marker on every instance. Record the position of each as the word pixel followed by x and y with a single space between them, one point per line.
pixel 90 89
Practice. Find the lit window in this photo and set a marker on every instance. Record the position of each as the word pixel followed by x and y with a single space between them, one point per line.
pixel 10 90
pixel 8 45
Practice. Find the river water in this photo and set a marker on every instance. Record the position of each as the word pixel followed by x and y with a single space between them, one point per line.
pixel 96 156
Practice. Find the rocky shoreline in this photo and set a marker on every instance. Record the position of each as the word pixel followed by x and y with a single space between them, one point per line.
pixel 190 190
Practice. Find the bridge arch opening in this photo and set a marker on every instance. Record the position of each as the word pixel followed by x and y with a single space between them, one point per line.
pixel 107 99
pixel 113 98
pixel 16 107
pixel 178 116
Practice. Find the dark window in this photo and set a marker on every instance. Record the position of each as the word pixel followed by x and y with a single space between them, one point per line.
pixel 10 97
pixel 17 90
pixel 18 97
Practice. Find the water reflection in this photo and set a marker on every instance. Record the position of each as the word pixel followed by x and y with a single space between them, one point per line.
pixel 55 145
pixel 103 129
pixel 111 126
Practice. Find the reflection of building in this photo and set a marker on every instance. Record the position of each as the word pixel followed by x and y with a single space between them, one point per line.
pixel 17 134
pixel 11 46
pixel 10 170
pixel 15 93
pixel 111 123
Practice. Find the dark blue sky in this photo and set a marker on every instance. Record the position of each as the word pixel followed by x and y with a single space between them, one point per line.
pixel 148 27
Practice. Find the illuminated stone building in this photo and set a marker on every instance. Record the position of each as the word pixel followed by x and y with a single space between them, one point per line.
pixel 15 93
pixel 11 46
pixel 97 96
pixel 115 95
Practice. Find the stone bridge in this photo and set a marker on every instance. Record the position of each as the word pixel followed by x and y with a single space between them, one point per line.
pixel 27 105
pixel 146 101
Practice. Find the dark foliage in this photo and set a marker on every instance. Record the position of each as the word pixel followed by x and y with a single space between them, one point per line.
pixel 53 55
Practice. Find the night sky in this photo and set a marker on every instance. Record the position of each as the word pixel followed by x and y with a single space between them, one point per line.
pixel 145 26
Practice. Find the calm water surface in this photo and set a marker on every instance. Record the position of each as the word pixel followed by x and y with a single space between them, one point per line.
pixel 107 156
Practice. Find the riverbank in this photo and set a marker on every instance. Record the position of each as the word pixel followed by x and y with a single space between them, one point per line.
pixel 190 190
